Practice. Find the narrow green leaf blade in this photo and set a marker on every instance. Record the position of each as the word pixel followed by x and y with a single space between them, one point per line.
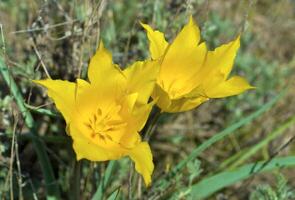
pixel 114 195
pixel 100 190
pixel 212 184
pixel 229 130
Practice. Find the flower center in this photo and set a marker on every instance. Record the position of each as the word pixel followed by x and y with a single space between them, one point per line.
pixel 103 126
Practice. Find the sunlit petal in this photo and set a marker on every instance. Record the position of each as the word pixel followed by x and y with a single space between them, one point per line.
pixel 232 86
pixel 141 78
pixel 158 44
pixel 63 95
pixel 143 159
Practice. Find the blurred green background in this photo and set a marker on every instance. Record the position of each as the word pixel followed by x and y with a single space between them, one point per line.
pixel 62 35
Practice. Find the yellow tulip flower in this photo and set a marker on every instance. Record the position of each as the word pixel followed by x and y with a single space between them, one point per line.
pixel 189 73
pixel 104 116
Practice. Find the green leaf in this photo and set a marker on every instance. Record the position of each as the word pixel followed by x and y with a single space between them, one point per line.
pixel 271 136
pixel 212 184
pixel 51 184
pixel 42 111
pixel 105 181
pixel 114 195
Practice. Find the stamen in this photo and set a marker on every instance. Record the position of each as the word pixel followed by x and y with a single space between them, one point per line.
pixel 102 126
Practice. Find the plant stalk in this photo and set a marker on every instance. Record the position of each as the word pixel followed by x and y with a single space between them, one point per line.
pixel 39 146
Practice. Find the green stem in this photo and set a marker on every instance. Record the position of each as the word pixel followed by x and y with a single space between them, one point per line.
pixel 42 111
pixel 75 181
pixel 50 182
pixel 150 126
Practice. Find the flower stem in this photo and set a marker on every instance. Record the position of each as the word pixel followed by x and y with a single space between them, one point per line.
pixel 75 181
pixel 148 129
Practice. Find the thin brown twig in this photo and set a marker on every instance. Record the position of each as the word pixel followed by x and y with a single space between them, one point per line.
pixel 130 177
pixel 127 46
pixel 139 185
pixel 87 178
pixel 2 38
pixel 59 6
pixel 12 153
pixel 40 60
pixel 100 8
pixel 45 28
pixel 19 179
pixel 246 15
pixel 35 197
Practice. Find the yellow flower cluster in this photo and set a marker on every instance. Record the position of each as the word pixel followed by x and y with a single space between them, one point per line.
pixel 105 114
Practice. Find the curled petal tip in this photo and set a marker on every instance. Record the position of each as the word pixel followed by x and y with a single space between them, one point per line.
pixel 43 82
pixel 238 37
pixel 79 157
pixel 142 24
pixel 101 46
pixel 34 81
pixel 191 19
pixel 146 27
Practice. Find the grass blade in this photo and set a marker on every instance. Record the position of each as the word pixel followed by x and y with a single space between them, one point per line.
pixel 50 182
pixel 277 132
pixel 114 195
pixel 229 130
pixel 106 179
pixel 42 111
pixel 212 184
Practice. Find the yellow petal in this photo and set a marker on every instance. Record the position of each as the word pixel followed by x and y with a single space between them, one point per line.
pixel 136 116
pixel 222 58
pixel 189 36
pixel 185 42
pixel 179 73
pixel 102 71
pixel 185 104
pixel 130 136
pixel 141 114
pixel 63 95
pixel 85 149
pixel 184 57
pixel 233 86
pixel 88 98
pixel 158 44
pixel 143 159
pixel 141 79
pixel 134 113
pixel 130 139
pixel 128 103
pixel 162 97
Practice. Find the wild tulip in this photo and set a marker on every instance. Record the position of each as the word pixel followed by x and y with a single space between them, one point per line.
pixel 189 73
pixel 105 114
